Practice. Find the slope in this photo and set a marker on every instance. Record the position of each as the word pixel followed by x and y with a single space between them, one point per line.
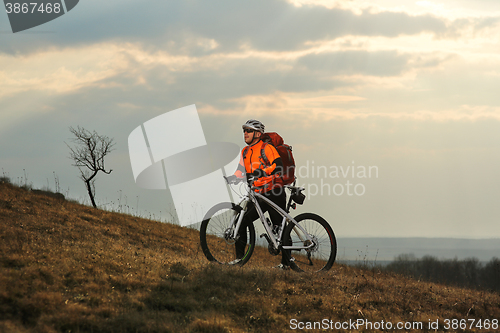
pixel 65 267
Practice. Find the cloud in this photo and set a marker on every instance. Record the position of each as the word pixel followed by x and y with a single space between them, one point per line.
pixel 201 27
pixel 448 9
pixel 316 84
pixel 381 63
pixel 59 71
pixel 238 57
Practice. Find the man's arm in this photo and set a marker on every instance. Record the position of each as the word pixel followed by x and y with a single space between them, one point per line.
pixel 274 158
pixel 237 176
pixel 240 170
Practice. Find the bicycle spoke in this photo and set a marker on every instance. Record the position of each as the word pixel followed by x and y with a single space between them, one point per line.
pixel 216 236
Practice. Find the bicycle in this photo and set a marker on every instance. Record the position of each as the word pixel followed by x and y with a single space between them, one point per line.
pixel 309 241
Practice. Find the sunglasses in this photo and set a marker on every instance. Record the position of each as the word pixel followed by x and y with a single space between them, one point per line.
pixel 248 130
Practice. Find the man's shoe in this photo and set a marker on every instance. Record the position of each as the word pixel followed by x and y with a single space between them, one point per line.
pixel 282 267
pixel 234 262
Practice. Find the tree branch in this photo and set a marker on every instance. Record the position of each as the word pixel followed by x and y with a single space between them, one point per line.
pixel 88 153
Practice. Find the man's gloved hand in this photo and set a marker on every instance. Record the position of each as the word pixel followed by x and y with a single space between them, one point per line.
pixel 231 179
pixel 259 173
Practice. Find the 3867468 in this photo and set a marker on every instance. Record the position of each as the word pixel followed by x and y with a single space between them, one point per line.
pixel 32 7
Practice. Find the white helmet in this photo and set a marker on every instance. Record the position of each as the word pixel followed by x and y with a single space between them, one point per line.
pixel 255 125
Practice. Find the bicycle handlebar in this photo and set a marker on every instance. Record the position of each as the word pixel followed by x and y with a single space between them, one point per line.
pixel 237 180
pixel 250 179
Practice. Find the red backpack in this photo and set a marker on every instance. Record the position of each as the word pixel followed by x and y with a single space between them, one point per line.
pixel 286 155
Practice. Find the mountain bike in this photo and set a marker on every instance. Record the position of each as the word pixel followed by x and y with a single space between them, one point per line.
pixel 307 239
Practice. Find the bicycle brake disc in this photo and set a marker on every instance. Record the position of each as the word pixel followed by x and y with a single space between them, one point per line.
pixel 228 236
pixel 314 248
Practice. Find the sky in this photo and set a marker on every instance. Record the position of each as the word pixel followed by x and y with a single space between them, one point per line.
pixel 403 93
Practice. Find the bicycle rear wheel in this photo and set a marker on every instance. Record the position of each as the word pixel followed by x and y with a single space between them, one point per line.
pixel 322 255
pixel 216 239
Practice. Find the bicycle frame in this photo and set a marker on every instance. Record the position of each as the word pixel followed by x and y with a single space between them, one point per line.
pixel 253 196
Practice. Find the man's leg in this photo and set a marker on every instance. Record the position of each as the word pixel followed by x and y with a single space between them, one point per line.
pixel 279 199
pixel 250 216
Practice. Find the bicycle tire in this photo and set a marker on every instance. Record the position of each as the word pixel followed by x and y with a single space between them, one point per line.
pixel 322 256
pixel 215 246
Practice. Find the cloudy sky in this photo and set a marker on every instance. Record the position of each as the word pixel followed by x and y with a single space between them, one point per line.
pixel 406 89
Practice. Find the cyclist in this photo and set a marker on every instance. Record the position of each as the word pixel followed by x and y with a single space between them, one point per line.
pixel 265 176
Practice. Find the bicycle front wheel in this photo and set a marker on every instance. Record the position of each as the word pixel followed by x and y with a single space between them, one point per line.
pixel 319 257
pixel 216 238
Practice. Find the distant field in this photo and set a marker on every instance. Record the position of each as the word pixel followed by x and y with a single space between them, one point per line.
pixel 386 249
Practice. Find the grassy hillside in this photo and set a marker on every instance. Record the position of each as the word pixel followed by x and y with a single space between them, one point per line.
pixel 65 267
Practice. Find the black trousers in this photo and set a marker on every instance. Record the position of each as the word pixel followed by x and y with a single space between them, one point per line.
pixel 251 215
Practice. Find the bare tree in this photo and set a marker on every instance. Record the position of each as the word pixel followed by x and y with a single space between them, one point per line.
pixel 88 155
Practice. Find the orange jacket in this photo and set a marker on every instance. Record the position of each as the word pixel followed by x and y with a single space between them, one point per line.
pixel 253 160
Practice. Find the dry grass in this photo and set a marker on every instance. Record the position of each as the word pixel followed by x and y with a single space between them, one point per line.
pixel 65 267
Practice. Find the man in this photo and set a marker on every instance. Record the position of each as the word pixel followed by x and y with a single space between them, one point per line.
pixel 265 175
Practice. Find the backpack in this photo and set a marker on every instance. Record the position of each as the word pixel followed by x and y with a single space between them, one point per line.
pixel 285 151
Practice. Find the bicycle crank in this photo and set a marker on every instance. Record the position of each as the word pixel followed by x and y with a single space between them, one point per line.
pixel 270 247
